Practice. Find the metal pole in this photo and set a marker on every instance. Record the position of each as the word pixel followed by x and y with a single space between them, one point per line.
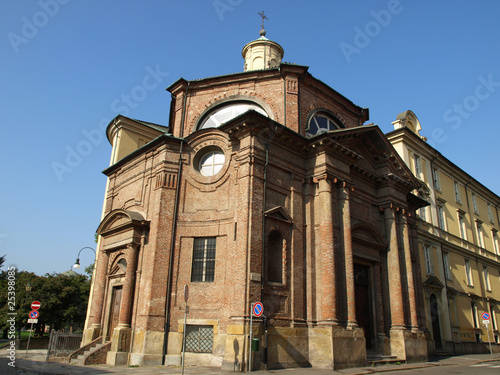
pixel 489 341
pixel 250 339
pixel 184 338
pixel 29 338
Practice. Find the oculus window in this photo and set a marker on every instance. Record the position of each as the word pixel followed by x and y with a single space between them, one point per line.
pixel 211 163
pixel 223 114
pixel 321 123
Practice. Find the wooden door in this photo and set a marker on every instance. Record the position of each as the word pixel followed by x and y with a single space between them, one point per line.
pixel 114 314
pixel 363 300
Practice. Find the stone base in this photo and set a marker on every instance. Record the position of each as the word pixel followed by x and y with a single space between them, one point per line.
pixel 90 334
pixel 349 348
pixel 137 359
pixel 117 358
pixel 120 346
pixel 173 360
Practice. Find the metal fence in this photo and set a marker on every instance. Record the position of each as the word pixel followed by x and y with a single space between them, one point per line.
pixel 62 344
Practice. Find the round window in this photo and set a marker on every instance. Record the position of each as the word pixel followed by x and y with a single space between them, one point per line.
pixel 211 163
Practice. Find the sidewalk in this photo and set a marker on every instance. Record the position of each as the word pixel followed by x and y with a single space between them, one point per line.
pixel 36 364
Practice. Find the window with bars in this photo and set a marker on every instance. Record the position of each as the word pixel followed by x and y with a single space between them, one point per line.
pixel 199 339
pixel 203 268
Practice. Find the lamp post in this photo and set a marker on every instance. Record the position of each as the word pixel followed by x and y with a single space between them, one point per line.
pixel 77 263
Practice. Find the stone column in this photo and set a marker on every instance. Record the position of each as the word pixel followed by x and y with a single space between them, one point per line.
pixel 128 287
pixel 348 257
pixel 327 283
pixel 394 271
pixel 99 289
pixel 409 272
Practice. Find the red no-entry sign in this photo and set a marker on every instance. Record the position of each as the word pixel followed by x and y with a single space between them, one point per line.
pixel 35 305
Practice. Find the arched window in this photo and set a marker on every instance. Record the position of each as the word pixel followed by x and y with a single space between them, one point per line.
pixel 321 122
pixel 228 111
pixel 275 257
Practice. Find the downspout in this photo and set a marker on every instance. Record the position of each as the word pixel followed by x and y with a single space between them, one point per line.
pixel 174 230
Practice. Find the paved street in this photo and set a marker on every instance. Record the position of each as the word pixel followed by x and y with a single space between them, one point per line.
pixel 477 364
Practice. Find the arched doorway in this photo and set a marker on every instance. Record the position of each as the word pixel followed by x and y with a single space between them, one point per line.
pixel 436 329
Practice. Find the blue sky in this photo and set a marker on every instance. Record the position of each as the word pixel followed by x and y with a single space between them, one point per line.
pixel 68 67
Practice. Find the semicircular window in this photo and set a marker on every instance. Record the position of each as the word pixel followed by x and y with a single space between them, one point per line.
pixel 320 123
pixel 223 114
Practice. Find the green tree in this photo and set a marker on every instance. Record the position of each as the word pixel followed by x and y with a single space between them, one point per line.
pixel 63 300
pixel 2 261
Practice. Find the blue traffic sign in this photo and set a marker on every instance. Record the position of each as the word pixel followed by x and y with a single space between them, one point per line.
pixel 34 314
pixel 485 316
pixel 257 309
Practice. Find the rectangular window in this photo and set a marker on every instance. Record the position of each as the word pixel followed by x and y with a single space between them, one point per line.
pixel 474 204
pixel 493 317
pixel 418 166
pixel 490 214
pixel 486 276
pixel 446 265
pixel 474 315
pixel 458 198
pixel 199 339
pixel 428 261
pixel 496 247
pixel 441 217
pixel 437 181
pixel 461 223
pixel 480 235
pixel 203 268
pixel 468 273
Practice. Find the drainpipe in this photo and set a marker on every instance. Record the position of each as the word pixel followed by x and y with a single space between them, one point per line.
pixel 174 230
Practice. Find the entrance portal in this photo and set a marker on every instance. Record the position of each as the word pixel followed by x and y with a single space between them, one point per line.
pixel 364 313
pixel 114 314
pixel 436 329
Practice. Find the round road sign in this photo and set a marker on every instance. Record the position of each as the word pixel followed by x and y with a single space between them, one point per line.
pixel 485 316
pixel 34 314
pixel 257 309
pixel 35 305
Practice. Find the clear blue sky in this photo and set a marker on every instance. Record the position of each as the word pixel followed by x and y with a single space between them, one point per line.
pixel 67 67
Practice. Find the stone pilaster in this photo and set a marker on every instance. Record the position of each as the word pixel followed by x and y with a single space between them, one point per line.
pixel 394 272
pixel 348 257
pixel 409 272
pixel 327 282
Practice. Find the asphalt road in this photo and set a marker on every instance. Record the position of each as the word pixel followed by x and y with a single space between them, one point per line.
pixel 487 368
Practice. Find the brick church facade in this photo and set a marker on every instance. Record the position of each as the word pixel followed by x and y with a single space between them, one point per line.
pixel 265 186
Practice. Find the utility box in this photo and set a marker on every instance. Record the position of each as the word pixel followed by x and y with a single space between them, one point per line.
pixel 255 344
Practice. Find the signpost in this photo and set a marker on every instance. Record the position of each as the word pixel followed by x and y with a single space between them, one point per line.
pixel 256 309
pixel 33 319
pixel 486 321
pixel 35 305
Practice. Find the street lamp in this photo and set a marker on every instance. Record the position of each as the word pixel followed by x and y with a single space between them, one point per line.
pixel 77 263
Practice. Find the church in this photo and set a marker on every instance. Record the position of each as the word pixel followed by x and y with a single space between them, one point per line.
pixel 265 186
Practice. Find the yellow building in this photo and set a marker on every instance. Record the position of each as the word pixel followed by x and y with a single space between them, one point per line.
pixel 459 246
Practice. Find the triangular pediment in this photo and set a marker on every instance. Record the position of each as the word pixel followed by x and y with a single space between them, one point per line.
pixel 377 157
pixel 279 213
pixel 433 283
